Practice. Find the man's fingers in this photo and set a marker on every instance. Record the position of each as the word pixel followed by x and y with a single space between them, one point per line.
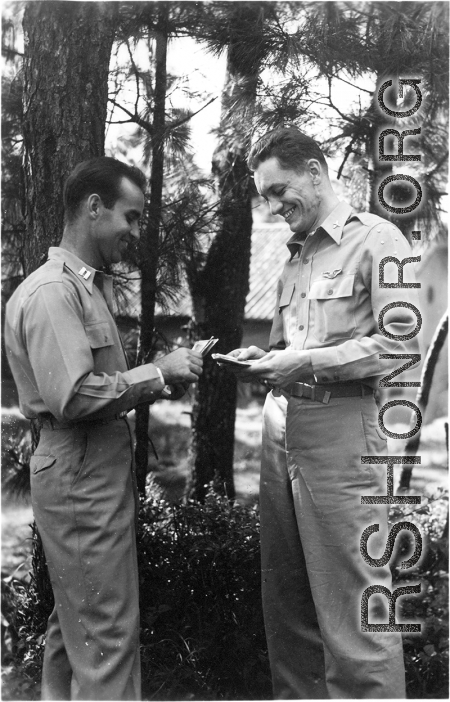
pixel 182 365
pixel 236 353
pixel 247 354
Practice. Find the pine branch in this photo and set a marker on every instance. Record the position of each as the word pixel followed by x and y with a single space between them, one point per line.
pixel 178 123
pixel 133 117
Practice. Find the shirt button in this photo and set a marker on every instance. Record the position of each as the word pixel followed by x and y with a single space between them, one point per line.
pixel 306 260
pixel 330 292
pixel 301 327
pixel 303 295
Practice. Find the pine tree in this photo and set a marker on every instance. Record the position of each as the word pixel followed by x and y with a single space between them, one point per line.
pixel 67 52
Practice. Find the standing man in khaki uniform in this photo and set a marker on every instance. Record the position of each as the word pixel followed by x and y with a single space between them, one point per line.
pixel 71 372
pixel 320 418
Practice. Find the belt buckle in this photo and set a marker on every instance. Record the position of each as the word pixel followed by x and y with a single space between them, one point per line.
pixel 308 391
pixel 305 390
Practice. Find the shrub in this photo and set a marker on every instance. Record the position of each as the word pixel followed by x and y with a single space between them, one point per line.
pixel 26 608
pixel 15 458
pixel 426 654
pixel 202 632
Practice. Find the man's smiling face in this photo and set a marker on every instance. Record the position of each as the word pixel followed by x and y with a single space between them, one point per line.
pixel 290 193
pixel 118 227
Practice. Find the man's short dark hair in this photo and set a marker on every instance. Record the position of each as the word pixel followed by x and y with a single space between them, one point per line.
pixel 289 145
pixel 103 176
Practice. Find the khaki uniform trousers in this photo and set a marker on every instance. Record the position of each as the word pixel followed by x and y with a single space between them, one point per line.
pixel 84 502
pixel 313 574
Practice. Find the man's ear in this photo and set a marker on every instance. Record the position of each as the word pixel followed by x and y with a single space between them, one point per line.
pixel 94 202
pixel 315 169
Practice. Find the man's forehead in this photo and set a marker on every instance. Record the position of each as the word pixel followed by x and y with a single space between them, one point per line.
pixel 270 173
pixel 130 194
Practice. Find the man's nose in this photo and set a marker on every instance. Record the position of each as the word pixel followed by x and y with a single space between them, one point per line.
pixel 275 206
pixel 135 231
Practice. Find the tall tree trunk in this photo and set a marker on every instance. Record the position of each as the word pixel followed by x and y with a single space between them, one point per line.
pixel 150 240
pixel 423 393
pixel 67 52
pixel 219 292
pixel 66 63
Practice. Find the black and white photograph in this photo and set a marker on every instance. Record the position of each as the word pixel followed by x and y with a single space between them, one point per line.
pixel 224 459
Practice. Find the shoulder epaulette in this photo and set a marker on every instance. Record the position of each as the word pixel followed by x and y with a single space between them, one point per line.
pixel 371 220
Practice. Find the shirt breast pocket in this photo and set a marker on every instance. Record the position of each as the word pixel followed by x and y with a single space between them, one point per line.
pixel 40 463
pixel 286 296
pixel 331 312
pixel 99 335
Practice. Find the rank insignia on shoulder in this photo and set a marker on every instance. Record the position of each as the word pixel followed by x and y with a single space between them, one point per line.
pixel 84 273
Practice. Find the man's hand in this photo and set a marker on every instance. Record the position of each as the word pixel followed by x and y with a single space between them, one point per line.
pixel 250 354
pixel 181 366
pixel 279 369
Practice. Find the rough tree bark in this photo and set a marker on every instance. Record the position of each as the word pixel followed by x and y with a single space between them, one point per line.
pixel 66 63
pixel 219 292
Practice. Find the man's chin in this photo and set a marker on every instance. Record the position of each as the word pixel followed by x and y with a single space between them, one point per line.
pixel 295 226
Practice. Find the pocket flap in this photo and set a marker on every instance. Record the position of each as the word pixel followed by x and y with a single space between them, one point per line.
pixel 99 334
pixel 286 295
pixel 329 289
pixel 38 463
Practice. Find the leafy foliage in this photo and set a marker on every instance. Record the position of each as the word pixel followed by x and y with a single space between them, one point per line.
pixel 202 628
pixel 202 634
pixel 15 457
pixel 426 654
pixel 26 608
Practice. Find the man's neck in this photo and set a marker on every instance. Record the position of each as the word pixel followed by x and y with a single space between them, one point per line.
pixel 329 203
pixel 74 239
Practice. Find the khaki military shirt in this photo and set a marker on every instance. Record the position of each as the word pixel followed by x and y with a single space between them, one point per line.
pixel 329 297
pixel 64 347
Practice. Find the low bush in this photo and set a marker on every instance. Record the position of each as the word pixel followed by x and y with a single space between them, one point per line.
pixel 202 633
pixel 426 653
pixel 25 608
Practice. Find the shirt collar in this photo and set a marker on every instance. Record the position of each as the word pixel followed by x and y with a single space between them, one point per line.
pixel 333 225
pixel 81 270
pixel 336 220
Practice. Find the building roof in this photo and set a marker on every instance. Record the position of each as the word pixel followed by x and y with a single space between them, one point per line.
pixel 268 255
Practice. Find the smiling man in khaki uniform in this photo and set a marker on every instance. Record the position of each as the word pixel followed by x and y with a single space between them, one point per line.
pixel 72 374
pixel 319 419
